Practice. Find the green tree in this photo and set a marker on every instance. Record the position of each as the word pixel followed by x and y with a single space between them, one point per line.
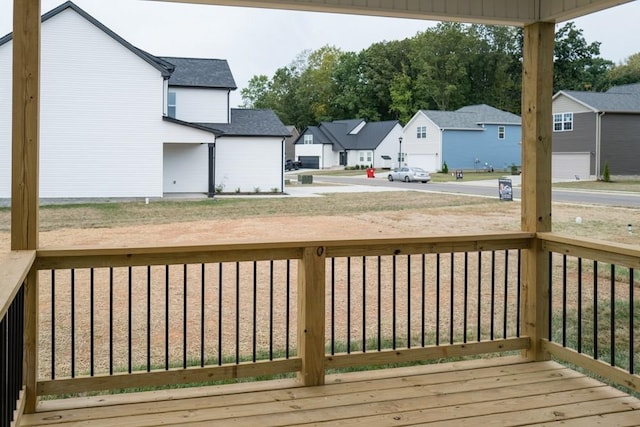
pixel 626 73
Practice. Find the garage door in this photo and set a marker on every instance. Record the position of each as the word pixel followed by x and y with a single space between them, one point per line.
pixel 570 165
pixel 427 162
pixel 310 162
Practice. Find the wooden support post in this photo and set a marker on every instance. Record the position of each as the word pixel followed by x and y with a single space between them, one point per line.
pixel 25 169
pixel 537 91
pixel 311 315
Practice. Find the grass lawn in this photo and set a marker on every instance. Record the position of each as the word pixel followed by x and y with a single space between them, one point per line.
pixel 619 185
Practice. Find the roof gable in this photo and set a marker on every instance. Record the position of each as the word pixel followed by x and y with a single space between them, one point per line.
pixel 471 117
pixel 338 133
pixel 620 99
pixel 250 122
pixel 201 72
pixel 164 67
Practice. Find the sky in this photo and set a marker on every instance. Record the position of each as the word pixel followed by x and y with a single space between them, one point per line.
pixel 259 41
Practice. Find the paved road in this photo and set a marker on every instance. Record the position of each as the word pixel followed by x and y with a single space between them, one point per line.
pixel 489 188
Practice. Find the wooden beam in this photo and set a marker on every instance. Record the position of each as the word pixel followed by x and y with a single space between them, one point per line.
pixel 537 90
pixel 25 124
pixel 311 318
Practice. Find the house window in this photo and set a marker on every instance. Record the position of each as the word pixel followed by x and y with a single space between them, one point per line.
pixel 308 139
pixel 171 104
pixel 366 156
pixel 563 122
pixel 501 132
pixel 421 132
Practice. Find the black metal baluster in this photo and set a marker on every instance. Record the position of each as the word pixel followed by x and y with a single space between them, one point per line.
pixel 394 314
pixel 348 305
pixel 451 297
pixel 493 293
pixel 185 333
pixel 595 310
pixel 518 299
pixel 379 303
pixel 631 319
pixel 110 320
pixel 129 317
pixel 612 325
pixel 364 304
pixel 288 305
pixel 202 313
pixel 91 324
pixel 423 299
pixel 166 317
pixel 564 300
pixel 6 400
pixel 506 297
pixel 73 323
pixel 550 305
pixel 479 314
pixel 255 311
pixel 408 301
pixel 438 299
pixel 579 305
pixel 148 318
pixel 53 325
pixel 271 310
pixel 466 298
pixel 219 314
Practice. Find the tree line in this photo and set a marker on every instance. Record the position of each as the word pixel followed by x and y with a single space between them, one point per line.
pixel 443 68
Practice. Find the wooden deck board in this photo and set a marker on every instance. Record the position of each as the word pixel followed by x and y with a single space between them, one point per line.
pixel 470 393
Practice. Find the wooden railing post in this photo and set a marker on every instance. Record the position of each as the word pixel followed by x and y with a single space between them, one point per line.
pixel 311 315
pixel 25 169
pixel 537 88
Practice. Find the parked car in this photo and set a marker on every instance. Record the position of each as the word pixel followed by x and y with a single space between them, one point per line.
pixel 409 174
pixel 290 165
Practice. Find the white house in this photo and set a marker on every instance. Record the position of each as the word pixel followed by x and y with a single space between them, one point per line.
pixel 348 143
pixel 119 122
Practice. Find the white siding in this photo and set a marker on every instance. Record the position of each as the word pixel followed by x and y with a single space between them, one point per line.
pixel 101 115
pixel 309 150
pixel 388 147
pixel 563 104
pixel 329 158
pixel 249 163
pixel 186 168
pixel 176 133
pixel 420 148
pixel 5 120
pixel 200 105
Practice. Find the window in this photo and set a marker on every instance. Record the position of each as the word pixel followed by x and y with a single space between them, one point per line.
pixel 501 132
pixel 171 104
pixel 308 139
pixel 369 156
pixel 562 122
pixel 421 132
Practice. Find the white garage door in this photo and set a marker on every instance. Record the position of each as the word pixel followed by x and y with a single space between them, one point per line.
pixel 570 165
pixel 427 162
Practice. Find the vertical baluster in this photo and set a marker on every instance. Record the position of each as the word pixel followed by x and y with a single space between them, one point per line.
pixel 333 306
pixel 185 332
pixel 505 301
pixel 479 314
pixel 595 310
pixel 202 313
pixel 348 305
pixel 166 317
pixel 379 303
pixel 466 298
pixel 219 314
pixel 73 323
pixel 91 324
pixel 579 305
pixel 393 298
pixel 612 321
pixel 518 304
pixel 564 300
pixel 438 299
pixel 550 286
pixel 423 299
pixel 53 325
pixel 408 301
pixel 148 318
pixel 493 293
pixel 110 320
pixel 451 297
pixel 255 311
pixel 5 385
pixel 364 304
pixel 631 320
pixel 288 309
pixel 271 310
pixel 237 312
pixel 129 317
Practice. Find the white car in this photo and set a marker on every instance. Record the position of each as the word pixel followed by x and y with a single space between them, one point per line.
pixel 409 174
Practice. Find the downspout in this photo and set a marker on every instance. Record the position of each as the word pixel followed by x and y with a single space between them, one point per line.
pixel 282 155
pixel 229 104
pixel 598 142
pixel 212 167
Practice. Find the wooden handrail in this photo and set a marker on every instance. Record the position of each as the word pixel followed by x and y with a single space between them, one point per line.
pixel 597 250
pixel 14 267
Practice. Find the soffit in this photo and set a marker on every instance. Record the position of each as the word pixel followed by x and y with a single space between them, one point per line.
pixel 505 12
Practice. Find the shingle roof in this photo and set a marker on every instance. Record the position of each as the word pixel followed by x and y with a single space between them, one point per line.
pixel 163 66
pixel 337 134
pixel 471 117
pixel 250 122
pixel 617 99
pixel 201 72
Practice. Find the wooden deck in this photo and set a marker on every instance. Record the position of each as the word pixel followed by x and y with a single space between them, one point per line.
pixel 504 392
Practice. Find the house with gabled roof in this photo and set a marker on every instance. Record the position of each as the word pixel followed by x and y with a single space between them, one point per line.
pixel 348 143
pixel 117 121
pixel 472 137
pixel 591 129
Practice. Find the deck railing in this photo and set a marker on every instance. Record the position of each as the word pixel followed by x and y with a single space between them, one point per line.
pixel 15 267
pixel 110 319
pixel 594 315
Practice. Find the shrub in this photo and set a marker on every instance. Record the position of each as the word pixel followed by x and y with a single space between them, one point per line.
pixel 219 188
pixel 445 168
pixel 256 189
pixel 606 177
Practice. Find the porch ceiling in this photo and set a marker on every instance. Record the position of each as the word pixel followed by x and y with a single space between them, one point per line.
pixel 506 12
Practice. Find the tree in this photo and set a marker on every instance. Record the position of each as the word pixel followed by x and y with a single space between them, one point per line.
pixel 256 92
pixel 625 73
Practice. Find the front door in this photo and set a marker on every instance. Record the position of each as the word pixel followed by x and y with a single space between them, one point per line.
pixel 343 158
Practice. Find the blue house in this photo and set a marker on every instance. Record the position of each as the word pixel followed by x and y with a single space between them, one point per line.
pixel 473 137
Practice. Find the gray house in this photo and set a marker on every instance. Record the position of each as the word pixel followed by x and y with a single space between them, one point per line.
pixel 591 129
pixel 348 143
